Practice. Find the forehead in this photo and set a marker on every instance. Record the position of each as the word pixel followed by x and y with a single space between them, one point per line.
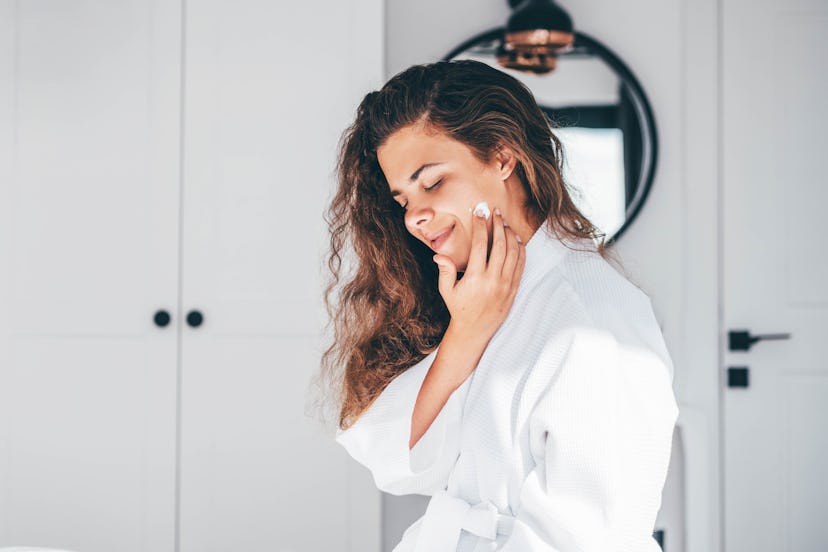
pixel 415 145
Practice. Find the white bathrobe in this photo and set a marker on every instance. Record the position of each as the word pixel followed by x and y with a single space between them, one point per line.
pixel 558 441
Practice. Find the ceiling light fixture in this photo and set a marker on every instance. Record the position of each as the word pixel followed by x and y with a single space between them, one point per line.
pixel 537 31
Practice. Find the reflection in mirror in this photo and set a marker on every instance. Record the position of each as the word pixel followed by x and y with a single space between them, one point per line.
pixel 594 167
pixel 603 120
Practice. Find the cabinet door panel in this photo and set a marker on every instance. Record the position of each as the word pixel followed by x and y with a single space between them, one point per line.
pixel 89 198
pixel 257 474
pixel 270 87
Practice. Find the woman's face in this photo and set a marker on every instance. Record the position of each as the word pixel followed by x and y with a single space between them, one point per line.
pixel 439 181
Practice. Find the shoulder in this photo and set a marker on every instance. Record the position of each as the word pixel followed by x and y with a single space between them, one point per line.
pixel 600 313
pixel 608 298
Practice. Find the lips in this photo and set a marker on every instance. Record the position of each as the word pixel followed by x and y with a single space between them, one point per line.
pixel 438 239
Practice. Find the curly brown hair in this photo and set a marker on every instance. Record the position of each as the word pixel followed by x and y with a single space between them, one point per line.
pixel 387 313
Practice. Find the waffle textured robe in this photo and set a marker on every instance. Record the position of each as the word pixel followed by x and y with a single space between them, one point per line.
pixel 558 441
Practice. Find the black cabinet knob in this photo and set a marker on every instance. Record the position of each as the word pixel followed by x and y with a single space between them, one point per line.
pixel 161 318
pixel 194 318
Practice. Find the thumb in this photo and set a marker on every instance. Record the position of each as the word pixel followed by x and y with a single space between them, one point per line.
pixel 448 274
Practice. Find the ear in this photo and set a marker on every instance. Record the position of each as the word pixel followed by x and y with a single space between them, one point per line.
pixel 505 161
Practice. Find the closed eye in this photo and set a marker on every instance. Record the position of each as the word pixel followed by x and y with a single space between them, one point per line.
pixel 428 189
pixel 433 185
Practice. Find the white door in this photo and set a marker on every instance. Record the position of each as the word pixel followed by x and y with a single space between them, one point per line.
pixel 89 187
pixel 775 117
pixel 269 89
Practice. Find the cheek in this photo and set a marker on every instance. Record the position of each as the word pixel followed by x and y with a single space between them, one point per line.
pixel 457 201
pixel 463 246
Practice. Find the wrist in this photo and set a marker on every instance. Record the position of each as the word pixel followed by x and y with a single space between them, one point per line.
pixel 466 335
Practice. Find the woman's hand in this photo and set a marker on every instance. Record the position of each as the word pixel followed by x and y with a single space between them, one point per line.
pixel 478 305
pixel 479 302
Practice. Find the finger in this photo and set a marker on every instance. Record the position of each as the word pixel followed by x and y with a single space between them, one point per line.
pixel 511 257
pixel 519 266
pixel 448 274
pixel 498 253
pixel 479 241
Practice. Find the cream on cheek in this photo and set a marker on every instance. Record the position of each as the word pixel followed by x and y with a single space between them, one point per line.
pixel 482 210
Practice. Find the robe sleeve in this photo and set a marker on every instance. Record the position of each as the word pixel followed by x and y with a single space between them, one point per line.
pixel 600 434
pixel 379 438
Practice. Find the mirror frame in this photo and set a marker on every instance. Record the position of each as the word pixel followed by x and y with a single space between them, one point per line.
pixel 643 112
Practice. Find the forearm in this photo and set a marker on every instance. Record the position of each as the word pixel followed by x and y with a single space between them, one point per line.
pixel 456 359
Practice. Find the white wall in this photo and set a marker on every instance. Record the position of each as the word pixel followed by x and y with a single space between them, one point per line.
pixel 671 248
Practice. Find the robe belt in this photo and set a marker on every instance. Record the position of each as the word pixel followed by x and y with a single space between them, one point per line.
pixel 447 515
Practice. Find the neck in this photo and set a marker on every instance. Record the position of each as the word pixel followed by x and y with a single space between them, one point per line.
pixel 518 216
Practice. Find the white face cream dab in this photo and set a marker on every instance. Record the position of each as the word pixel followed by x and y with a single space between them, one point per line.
pixel 482 208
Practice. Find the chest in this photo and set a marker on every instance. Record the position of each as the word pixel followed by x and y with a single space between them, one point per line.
pixel 513 373
pixel 495 433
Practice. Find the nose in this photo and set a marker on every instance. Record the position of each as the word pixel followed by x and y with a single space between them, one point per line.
pixel 416 216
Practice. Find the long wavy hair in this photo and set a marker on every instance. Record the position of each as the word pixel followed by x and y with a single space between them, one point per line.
pixel 386 310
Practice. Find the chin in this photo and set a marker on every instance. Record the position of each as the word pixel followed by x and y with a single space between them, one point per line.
pixel 460 263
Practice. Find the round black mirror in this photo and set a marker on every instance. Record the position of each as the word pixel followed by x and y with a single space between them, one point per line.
pixel 602 117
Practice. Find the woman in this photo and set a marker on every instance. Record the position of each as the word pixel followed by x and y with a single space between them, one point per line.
pixel 531 397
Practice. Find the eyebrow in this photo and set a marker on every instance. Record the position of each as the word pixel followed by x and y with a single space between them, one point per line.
pixel 415 175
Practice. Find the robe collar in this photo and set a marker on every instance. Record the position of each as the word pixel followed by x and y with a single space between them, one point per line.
pixel 545 250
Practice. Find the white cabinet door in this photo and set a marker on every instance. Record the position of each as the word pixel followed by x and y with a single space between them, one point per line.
pixel 775 263
pixel 89 193
pixel 269 89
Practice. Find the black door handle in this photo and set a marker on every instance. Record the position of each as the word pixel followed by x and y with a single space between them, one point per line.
pixel 741 340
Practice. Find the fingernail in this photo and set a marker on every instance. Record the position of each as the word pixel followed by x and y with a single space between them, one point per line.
pixel 497 211
pixel 482 210
pixel 518 239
